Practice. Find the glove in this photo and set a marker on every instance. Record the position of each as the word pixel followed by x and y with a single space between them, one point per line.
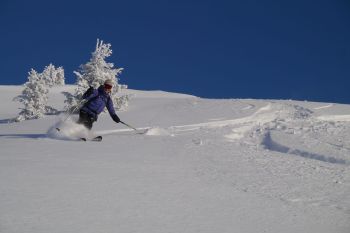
pixel 116 118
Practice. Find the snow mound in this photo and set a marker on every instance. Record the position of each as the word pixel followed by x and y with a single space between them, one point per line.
pixel 270 117
pixel 68 130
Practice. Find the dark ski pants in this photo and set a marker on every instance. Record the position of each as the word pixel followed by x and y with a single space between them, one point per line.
pixel 86 119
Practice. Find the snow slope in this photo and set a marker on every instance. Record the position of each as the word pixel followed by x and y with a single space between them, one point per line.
pixel 202 166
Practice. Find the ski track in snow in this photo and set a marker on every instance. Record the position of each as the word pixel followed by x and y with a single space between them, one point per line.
pixel 261 121
pixel 250 106
pixel 256 128
pixel 323 107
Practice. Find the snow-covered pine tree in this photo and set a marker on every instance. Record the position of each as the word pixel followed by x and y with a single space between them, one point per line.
pixel 59 78
pixel 72 100
pixel 53 76
pixel 33 97
pixel 94 73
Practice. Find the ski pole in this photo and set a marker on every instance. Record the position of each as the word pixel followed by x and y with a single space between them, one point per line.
pixel 71 112
pixel 128 125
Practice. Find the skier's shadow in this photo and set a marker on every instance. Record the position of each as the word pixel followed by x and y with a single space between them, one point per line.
pixel 30 136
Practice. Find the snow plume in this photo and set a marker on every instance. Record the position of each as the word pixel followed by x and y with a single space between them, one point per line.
pixel 68 130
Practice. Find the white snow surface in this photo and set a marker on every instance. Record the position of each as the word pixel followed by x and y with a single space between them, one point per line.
pixel 202 165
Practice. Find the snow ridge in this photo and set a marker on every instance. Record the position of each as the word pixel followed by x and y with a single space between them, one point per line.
pixel 272 145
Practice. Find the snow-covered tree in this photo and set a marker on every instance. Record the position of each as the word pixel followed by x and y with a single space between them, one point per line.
pixel 94 73
pixel 72 100
pixel 34 97
pixel 59 79
pixel 53 76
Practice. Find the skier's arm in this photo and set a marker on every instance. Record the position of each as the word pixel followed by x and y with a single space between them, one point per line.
pixel 111 110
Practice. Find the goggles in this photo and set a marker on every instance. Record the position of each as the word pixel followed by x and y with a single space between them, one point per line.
pixel 108 87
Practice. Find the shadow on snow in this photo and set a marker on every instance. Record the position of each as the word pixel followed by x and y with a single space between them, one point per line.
pixel 6 121
pixel 31 136
pixel 270 144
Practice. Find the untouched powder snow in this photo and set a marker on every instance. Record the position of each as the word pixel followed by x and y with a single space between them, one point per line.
pixel 192 165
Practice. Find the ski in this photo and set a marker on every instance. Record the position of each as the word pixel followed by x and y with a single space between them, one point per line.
pixel 95 139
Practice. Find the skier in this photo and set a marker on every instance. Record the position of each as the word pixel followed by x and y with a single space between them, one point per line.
pixel 96 101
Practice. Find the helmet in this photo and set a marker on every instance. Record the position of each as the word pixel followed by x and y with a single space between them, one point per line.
pixel 108 84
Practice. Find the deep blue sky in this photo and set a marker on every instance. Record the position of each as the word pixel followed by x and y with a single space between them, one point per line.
pixel 276 49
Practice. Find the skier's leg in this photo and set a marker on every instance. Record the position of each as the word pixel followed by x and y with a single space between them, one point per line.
pixel 82 117
pixel 85 119
pixel 88 123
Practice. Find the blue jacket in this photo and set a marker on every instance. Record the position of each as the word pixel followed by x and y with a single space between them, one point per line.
pixel 97 101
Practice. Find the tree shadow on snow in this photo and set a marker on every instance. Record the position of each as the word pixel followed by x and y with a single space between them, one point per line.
pixel 30 136
pixel 52 112
pixel 6 121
